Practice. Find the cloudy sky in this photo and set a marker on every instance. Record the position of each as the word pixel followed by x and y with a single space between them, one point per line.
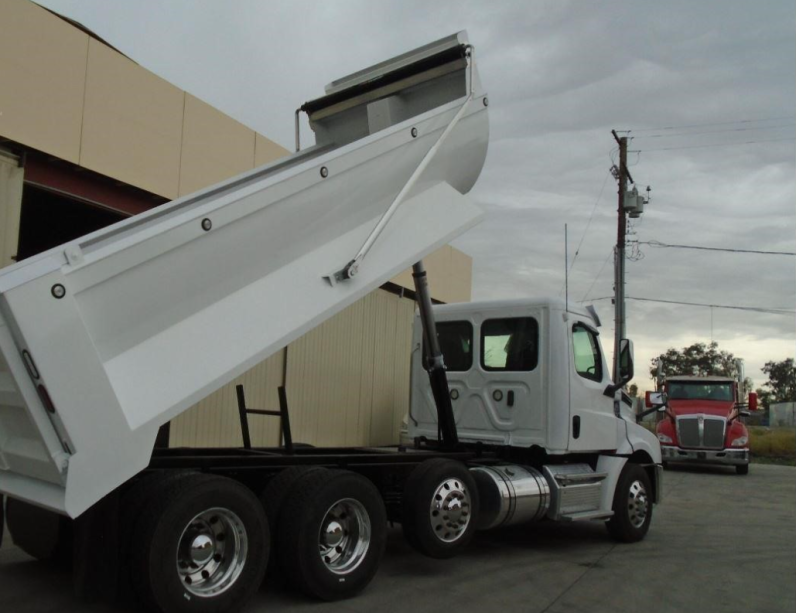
pixel 707 90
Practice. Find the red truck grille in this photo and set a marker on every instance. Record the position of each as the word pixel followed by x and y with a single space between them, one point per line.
pixel 701 431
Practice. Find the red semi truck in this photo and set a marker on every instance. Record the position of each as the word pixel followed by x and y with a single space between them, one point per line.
pixel 701 420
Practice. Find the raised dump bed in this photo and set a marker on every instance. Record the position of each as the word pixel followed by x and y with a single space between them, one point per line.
pixel 108 337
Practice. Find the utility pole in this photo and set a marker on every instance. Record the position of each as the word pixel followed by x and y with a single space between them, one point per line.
pixel 622 175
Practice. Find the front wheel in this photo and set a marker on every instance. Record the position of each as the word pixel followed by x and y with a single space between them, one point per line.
pixel 632 505
pixel 742 469
pixel 440 508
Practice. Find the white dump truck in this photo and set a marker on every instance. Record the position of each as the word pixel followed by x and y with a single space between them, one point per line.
pixel 105 339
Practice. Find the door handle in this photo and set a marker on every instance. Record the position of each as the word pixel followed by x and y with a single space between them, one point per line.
pixel 510 398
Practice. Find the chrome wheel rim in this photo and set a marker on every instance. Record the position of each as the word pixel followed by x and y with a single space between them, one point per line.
pixel 344 537
pixel 450 510
pixel 211 552
pixel 637 504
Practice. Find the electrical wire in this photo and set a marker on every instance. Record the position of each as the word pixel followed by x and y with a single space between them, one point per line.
pixel 750 142
pixel 588 223
pixel 586 295
pixel 789 125
pixel 702 304
pixel 706 125
pixel 665 245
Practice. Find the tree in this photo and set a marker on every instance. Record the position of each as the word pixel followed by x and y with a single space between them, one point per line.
pixel 781 382
pixel 699 360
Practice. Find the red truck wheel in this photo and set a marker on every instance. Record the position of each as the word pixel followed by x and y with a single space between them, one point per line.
pixel 742 469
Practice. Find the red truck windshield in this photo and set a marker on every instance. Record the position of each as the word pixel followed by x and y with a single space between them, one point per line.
pixel 700 391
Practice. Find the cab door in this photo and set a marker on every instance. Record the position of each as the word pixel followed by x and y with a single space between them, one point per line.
pixel 495 377
pixel 592 420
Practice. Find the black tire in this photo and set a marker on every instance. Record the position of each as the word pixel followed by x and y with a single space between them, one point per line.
pixel 742 469
pixel 273 499
pixel 632 505
pixel 202 509
pixel 346 506
pixel 440 508
pixel 665 465
pixel 2 518
pixel 42 534
pixel 134 500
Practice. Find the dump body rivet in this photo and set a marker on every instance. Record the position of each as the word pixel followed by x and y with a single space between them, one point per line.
pixel 58 291
pixel 206 224
pixel 324 172
pixel 414 132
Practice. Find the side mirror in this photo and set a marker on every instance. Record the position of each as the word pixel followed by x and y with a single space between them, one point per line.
pixel 625 360
pixel 752 401
pixel 655 399
pixel 744 413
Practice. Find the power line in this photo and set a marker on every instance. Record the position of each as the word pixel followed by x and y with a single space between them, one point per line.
pixel 750 142
pixel 787 125
pixel 586 295
pixel 593 209
pixel 701 304
pixel 706 125
pixel 665 245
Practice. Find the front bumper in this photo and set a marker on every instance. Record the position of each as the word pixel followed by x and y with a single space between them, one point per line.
pixel 727 457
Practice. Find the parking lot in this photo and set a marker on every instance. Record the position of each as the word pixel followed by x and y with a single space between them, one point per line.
pixel 720 542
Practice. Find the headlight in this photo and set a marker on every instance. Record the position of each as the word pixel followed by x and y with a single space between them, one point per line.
pixel 740 442
pixel 664 439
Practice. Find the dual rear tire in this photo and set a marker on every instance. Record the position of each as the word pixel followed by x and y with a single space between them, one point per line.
pixel 200 546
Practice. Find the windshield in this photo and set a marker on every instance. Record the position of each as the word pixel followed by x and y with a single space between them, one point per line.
pixel 700 391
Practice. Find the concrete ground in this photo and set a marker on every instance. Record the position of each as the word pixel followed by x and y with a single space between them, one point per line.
pixel 719 543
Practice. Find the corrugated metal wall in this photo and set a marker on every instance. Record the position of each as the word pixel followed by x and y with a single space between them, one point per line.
pixel 347 384
pixel 214 421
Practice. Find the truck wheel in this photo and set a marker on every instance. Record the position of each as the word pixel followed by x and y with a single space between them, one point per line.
pixel 42 534
pixel 632 505
pixel 201 546
pixel 742 469
pixel 273 499
pixel 332 534
pixel 440 508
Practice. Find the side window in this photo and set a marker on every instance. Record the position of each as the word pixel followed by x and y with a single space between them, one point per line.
pixel 586 349
pixel 456 343
pixel 509 344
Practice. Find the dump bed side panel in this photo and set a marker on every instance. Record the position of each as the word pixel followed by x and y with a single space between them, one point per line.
pixel 126 328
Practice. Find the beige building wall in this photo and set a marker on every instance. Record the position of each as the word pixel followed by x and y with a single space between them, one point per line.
pixel 70 95
pixel 10 205
pixel 42 79
pixel 132 123
pixel 214 422
pixel 450 275
pixel 214 147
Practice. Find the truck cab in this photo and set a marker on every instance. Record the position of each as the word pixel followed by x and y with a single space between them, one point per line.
pixel 525 374
pixel 701 423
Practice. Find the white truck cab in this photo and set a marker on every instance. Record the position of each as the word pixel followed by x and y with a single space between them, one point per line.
pixel 523 373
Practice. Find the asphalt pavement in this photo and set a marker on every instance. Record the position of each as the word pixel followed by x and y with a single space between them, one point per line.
pixel 720 542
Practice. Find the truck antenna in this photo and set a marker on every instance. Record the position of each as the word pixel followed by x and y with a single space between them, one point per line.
pixel 566 271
